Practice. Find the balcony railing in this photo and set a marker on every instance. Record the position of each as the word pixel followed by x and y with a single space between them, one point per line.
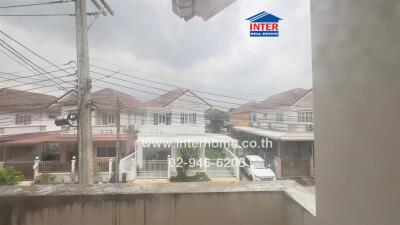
pixel 54 167
pixel 100 129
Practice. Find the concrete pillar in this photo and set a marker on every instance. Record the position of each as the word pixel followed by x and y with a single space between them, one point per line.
pixel 278 167
pixel 173 151
pixel 36 168
pixel 169 166
pixel 202 155
pixel 139 155
pixel 356 77
pixel 110 168
pixel 73 163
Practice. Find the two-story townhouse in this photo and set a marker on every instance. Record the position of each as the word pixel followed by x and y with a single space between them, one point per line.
pixel 241 116
pixel 173 121
pixel 56 148
pixel 285 119
pixel 106 103
pixel 25 112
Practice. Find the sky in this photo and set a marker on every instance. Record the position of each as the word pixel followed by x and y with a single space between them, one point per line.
pixel 146 39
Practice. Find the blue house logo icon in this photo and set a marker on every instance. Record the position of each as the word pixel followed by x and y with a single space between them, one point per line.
pixel 264 24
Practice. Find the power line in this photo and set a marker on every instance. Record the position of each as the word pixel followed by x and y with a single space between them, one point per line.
pixel 45 67
pixel 174 86
pixel 46 15
pixel 35 83
pixel 36 54
pixel 194 90
pixel 182 100
pixel 180 81
pixel 34 4
pixel 29 76
pixel 27 61
pixel 20 91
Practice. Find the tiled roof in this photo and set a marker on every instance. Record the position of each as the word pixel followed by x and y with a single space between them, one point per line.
pixel 248 107
pixel 286 98
pixel 165 99
pixel 17 99
pixel 107 98
pixel 42 137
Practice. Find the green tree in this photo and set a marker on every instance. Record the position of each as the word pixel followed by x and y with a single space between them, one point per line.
pixel 217 120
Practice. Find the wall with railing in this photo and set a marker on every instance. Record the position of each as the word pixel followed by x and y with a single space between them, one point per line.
pixel 67 172
pixel 128 165
pixel 214 168
pixel 100 129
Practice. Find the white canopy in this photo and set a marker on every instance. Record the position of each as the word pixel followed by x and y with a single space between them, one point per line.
pixel 277 135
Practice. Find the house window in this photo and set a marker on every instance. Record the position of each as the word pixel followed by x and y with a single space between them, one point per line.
pixel 188 118
pixel 162 118
pixel 252 117
pixel 305 117
pixel 265 115
pixel 106 152
pixel 279 116
pixel 108 118
pixel 22 119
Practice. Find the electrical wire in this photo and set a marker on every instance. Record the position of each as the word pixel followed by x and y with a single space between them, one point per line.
pixel 194 90
pixel 34 4
pixel 47 15
pixel 28 62
pixel 33 52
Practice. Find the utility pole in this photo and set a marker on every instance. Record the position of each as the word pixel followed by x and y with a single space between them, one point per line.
pixel 118 146
pixel 84 86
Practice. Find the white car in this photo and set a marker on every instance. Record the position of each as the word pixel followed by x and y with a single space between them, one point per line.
pixel 257 169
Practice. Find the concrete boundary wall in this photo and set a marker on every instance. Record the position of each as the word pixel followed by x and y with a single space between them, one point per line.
pixel 195 203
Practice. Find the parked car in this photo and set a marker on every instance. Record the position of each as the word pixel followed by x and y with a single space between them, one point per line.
pixel 257 169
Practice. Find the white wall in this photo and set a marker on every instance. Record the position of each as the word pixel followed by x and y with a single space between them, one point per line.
pixel 40 122
pixel 356 52
pixel 187 103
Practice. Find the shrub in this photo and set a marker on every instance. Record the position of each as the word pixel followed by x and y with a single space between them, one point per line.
pixel 198 177
pixel 10 176
pixel 186 155
pixel 214 153
pixel 45 178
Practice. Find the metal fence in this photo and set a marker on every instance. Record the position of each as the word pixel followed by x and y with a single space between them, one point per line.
pixel 153 169
pixel 54 167
pixel 102 165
